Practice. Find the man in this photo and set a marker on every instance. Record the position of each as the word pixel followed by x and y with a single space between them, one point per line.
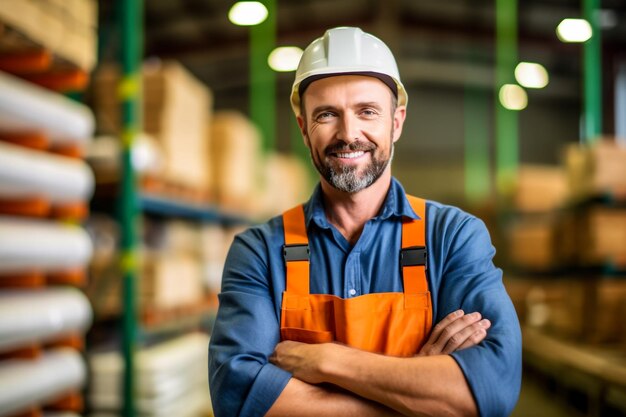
pixel 328 309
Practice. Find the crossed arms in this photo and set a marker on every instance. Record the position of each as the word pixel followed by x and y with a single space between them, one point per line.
pixel 335 380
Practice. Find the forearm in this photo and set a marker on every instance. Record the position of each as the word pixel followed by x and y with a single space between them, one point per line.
pixel 419 386
pixel 300 399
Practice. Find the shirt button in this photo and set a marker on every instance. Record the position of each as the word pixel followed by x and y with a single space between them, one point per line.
pixel 352 291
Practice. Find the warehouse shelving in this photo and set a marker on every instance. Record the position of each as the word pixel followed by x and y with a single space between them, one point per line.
pixel 45 188
pixel 144 328
pixel 170 207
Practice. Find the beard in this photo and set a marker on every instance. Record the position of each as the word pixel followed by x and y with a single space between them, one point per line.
pixel 349 178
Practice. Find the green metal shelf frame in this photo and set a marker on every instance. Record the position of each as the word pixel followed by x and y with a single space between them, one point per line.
pixel 131 21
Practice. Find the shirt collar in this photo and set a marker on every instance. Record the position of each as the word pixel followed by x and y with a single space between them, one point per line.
pixel 395 205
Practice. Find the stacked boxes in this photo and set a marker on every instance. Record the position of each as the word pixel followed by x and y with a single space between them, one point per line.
pixel 235 168
pixel 68 28
pixel 573 218
pixel 538 237
pixel 177 114
pixel 172 270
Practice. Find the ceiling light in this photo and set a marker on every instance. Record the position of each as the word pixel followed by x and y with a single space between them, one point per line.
pixel 247 13
pixel 285 58
pixel 574 30
pixel 513 97
pixel 531 75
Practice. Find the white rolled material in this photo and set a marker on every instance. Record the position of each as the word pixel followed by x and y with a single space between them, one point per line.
pixel 28 107
pixel 27 382
pixel 33 316
pixel 26 244
pixel 28 173
pixel 171 378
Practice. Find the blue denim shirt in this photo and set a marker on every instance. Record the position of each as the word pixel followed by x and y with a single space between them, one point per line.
pixel 460 274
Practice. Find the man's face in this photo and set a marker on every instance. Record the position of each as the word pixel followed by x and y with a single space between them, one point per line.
pixel 350 128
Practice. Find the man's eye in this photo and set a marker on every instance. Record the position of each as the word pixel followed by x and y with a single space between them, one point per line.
pixel 324 116
pixel 369 112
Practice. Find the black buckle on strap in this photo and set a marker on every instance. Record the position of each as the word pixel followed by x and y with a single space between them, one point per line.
pixel 297 252
pixel 413 256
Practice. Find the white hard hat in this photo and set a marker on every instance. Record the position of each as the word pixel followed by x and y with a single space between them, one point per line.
pixel 347 51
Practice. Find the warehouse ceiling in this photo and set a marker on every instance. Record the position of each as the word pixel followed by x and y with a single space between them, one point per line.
pixel 435 41
pixel 442 47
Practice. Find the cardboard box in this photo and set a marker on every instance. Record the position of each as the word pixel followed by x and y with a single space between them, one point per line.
pixel 540 188
pixel 235 153
pixel 556 305
pixel 596 170
pixel 184 114
pixel 171 280
pixel 603 236
pixel 606 317
pixel 542 242
pixel 287 183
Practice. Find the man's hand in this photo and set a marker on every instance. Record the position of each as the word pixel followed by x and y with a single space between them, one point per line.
pixel 455 332
pixel 301 359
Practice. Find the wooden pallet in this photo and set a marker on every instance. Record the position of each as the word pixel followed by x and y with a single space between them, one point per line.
pixel 154 316
pixel 172 190
pixel 41 207
pixel 70 402
pixel 36 140
pixel 28 60
pixel 76 277
pixel 75 341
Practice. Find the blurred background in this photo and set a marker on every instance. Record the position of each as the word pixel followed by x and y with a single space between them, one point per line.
pixel 138 137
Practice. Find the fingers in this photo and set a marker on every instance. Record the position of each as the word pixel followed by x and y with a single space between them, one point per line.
pixel 443 325
pixel 476 337
pixel 431 347
pixel 456 331
pixel 467 337
pixel 450 331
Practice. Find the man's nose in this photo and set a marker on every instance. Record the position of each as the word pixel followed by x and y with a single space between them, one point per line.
pixel 348 129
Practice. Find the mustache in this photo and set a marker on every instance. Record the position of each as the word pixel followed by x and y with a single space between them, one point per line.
pixel 349 147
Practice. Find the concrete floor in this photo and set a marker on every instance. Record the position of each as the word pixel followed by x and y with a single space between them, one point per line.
pixel 537 400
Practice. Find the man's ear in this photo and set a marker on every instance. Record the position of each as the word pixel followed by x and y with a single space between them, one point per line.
pixel 398 121
pixel 302 126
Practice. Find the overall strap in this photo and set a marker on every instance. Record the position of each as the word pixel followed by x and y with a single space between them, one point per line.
pixel 296 251
pixel 413 253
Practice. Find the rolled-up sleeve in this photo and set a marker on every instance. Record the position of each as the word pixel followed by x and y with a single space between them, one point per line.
pixel 246 331
pixel 493 368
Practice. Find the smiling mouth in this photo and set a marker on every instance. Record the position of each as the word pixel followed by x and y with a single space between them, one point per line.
pixel 349 155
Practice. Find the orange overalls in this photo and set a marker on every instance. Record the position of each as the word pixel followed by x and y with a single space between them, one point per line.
pixel 390 323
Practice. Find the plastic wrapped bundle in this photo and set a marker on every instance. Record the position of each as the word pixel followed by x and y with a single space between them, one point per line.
pixel 25 107
pixel 35 244
pixel 39 316
pixel 26 173
pixel 171 378
pixel 27 382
